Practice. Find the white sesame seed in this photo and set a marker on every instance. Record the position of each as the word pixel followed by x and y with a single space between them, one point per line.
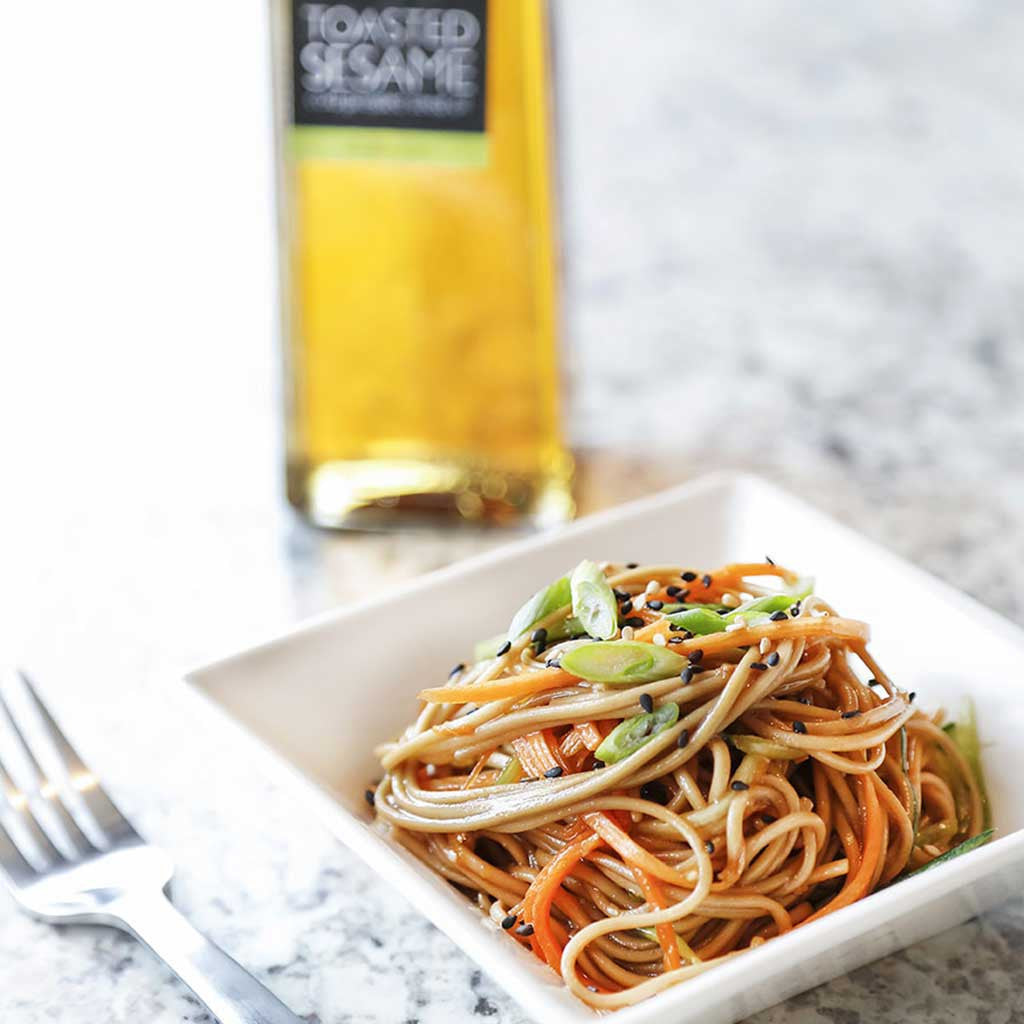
pixel 639 602
pixel 659 639
pixel 653 586
pixel 765 645
pixel 627 632
pixel 734 626
pixel 730 600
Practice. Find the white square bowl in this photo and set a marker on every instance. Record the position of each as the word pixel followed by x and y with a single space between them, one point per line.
pixel 292 695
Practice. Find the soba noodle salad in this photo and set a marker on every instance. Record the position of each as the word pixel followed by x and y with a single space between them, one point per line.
pixel 657 767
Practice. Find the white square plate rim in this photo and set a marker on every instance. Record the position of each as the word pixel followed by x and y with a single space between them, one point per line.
pixel 513 968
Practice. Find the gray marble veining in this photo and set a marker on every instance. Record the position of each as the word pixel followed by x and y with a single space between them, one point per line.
pixel 793 241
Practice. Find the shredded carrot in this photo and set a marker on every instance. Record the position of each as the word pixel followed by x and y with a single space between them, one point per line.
pixel 655 896
pixel 585 736
pixel 544 890
pixel 631 851
pixel 736 571
pixel 831 626
pixel 858 883
pixel 522 685
pixel 481 764
pixel 538 752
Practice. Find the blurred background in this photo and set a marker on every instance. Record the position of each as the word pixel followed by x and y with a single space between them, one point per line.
pixel 792 246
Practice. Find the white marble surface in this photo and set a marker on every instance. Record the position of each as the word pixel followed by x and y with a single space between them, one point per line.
pixel 794 246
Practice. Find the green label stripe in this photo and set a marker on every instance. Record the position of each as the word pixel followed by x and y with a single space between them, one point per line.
pixel 401 145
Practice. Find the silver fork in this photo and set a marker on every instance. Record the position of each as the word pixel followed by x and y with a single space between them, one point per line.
pixel 69 855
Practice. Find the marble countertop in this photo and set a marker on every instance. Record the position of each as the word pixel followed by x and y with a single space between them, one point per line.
pixel 793 247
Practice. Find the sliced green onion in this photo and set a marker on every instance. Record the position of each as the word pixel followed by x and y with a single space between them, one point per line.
pixel 593 602
pixel 699 621
pixel 964 734
pixel 672 608
pixel 958 851
pixel 775 602
pixel 568 629
pixel 552 597
pixel 766 748
pixel 629 736
pixel 702 620
pixel 684 949
pixel 488 648
pixel 512 772
pixel 622 662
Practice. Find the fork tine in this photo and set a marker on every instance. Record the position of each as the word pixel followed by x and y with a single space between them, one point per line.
pixel 17 804
pixel 109 821
pixel 12 863
pixel 67 832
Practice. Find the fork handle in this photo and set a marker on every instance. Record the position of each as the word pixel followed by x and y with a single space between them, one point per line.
pixel 227 990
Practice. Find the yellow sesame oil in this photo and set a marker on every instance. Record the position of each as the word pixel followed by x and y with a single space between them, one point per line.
pixel 419 263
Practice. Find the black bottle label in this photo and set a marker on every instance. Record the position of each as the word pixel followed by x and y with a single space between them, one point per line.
pixel 399 81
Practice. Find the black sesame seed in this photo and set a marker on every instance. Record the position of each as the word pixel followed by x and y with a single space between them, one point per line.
pixel 507 922
pixel 655 606
pixel 539 636
pixel 849 714
pixel 769 560
pixel 773 658
pixel 552 663
pixel 526 930
pixel 689 577
pixel 632 565
pixel 794 610
pixel 369 797
pixel 724 611
pixel 697 656
pixel 758 666
pixel 654 791
pixel 687 674
pixel 598 764
pixel 709 846
pixel 504 648
pixel 455 671
pixel 683 739
pixel 738 786
pixel 553 773
pixel 778 616
pixel 621 595
pixel 799 727
pixel 676 628
pixel 912 696
pixel 634 620
pixel 706 579
pixel 874 682
pixel 673 590
pixel 626 607
pixel 647 702
pixel 675 639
